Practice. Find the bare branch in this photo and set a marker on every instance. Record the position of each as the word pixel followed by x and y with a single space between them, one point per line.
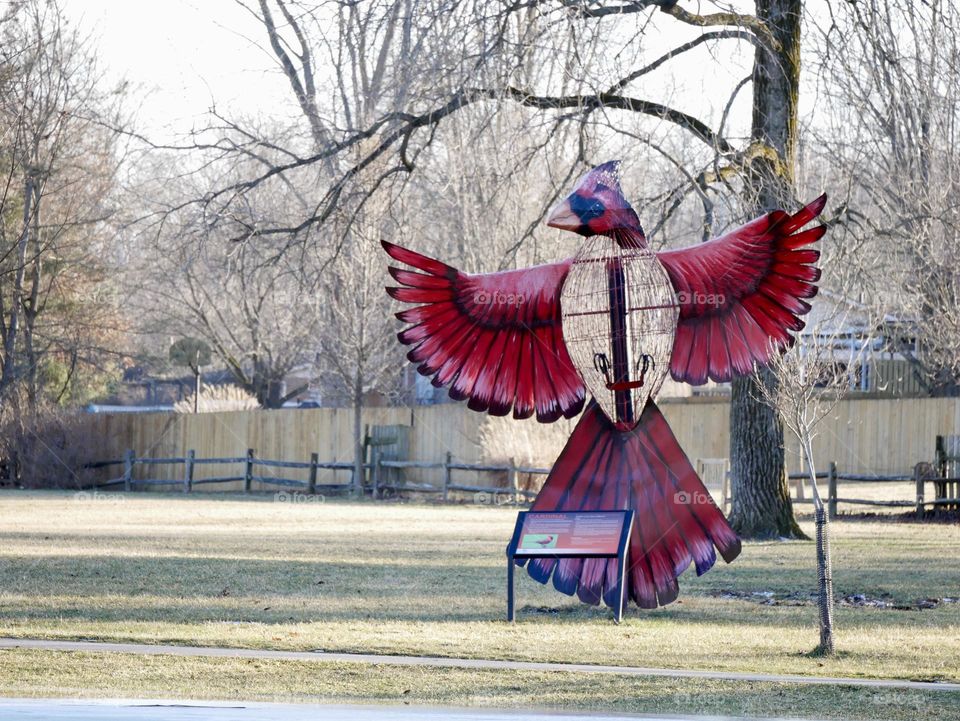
pixel 595 9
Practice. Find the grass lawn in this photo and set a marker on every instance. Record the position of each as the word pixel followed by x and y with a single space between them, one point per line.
pixel 47 674
pixel 421 579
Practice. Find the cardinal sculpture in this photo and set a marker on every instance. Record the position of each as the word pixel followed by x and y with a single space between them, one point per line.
pixel 612 322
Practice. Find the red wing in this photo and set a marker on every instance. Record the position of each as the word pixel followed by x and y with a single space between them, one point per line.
pixel 741 294
pixel 494 338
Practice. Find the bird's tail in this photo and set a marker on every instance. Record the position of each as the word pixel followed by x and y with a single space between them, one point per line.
pixel 644 469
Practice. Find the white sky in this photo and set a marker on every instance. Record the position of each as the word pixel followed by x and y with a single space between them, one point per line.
pixel 183 55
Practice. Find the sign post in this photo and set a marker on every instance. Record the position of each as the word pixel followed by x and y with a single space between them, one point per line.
pixel 570 534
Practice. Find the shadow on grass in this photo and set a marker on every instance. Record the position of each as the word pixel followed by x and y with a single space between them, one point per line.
pixel 185 589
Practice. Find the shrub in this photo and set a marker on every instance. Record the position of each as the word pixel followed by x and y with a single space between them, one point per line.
pixel 47 449
pixel 219 398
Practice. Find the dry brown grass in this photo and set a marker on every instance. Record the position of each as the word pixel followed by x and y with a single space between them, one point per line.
pixel 419 579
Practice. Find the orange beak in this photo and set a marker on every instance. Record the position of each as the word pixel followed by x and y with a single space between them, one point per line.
pixel 563 217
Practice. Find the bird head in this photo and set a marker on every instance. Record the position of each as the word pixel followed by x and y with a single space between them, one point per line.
pixel 597 207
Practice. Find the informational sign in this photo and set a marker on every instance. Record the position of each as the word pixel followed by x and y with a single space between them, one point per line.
pixel 595 533
pixel 566 534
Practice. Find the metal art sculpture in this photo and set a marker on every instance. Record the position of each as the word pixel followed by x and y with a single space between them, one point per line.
pixel 613 320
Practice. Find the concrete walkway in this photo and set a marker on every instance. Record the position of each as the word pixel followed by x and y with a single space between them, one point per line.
pixel 465 663
pixel 147 710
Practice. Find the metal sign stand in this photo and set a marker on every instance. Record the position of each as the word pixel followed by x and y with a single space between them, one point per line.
pixel 620 555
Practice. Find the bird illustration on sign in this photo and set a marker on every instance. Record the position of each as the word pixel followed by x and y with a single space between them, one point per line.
pixel 612 322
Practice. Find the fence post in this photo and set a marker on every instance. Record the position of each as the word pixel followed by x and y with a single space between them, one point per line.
pixel 128 470
pixel 248 471
pixel 832 491
pixel 725 498
pixel 312 479
pixel 188 471
pixel 375 472
pixel 918 479
pixel 446 475
pixel 512 481
pixel 941 457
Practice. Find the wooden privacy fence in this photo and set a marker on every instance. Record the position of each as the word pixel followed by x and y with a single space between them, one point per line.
pixel 867 436
pixel 378 483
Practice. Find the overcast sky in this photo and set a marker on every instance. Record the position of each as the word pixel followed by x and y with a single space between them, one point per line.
pixel 181 56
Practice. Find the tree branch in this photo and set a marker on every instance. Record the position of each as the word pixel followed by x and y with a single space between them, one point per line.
pixel 716 35
pixel 613 100
pixel 468 96
pixel 593 9
pixel 750 22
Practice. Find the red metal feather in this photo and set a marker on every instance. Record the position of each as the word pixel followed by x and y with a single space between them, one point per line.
pixel 757 268
pixel 495 338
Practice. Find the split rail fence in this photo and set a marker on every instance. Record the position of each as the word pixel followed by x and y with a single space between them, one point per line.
pixel 946 490
pixel 377 484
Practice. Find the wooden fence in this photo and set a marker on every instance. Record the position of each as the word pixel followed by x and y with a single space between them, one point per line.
pixel 944 495
pixel 870 437
pixel 377 484
pixel 945 488
pixel 281 434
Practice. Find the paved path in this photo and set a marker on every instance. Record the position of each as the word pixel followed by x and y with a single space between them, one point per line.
pixel 147 710
pixel 468 663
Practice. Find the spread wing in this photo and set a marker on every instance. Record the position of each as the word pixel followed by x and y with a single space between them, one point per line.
pixel 495 338
pixel 742 293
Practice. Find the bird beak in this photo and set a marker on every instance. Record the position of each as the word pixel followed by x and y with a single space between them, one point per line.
pixel 563 217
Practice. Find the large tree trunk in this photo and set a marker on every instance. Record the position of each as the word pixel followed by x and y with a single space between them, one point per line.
pixel 274 392
pixel 761 499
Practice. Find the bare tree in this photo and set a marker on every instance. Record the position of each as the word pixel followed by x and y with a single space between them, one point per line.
pixel 357 344
pixel 810 381
pixel 569 73
pixel 891 74
pixel 254 304
pixel 59 319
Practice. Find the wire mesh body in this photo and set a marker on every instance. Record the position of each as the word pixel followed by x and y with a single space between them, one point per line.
pixel 619 320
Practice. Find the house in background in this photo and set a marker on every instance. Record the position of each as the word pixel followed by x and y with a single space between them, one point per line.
pixel 878 358
pixel 304 380
pixel 313 387
pixel 139 391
